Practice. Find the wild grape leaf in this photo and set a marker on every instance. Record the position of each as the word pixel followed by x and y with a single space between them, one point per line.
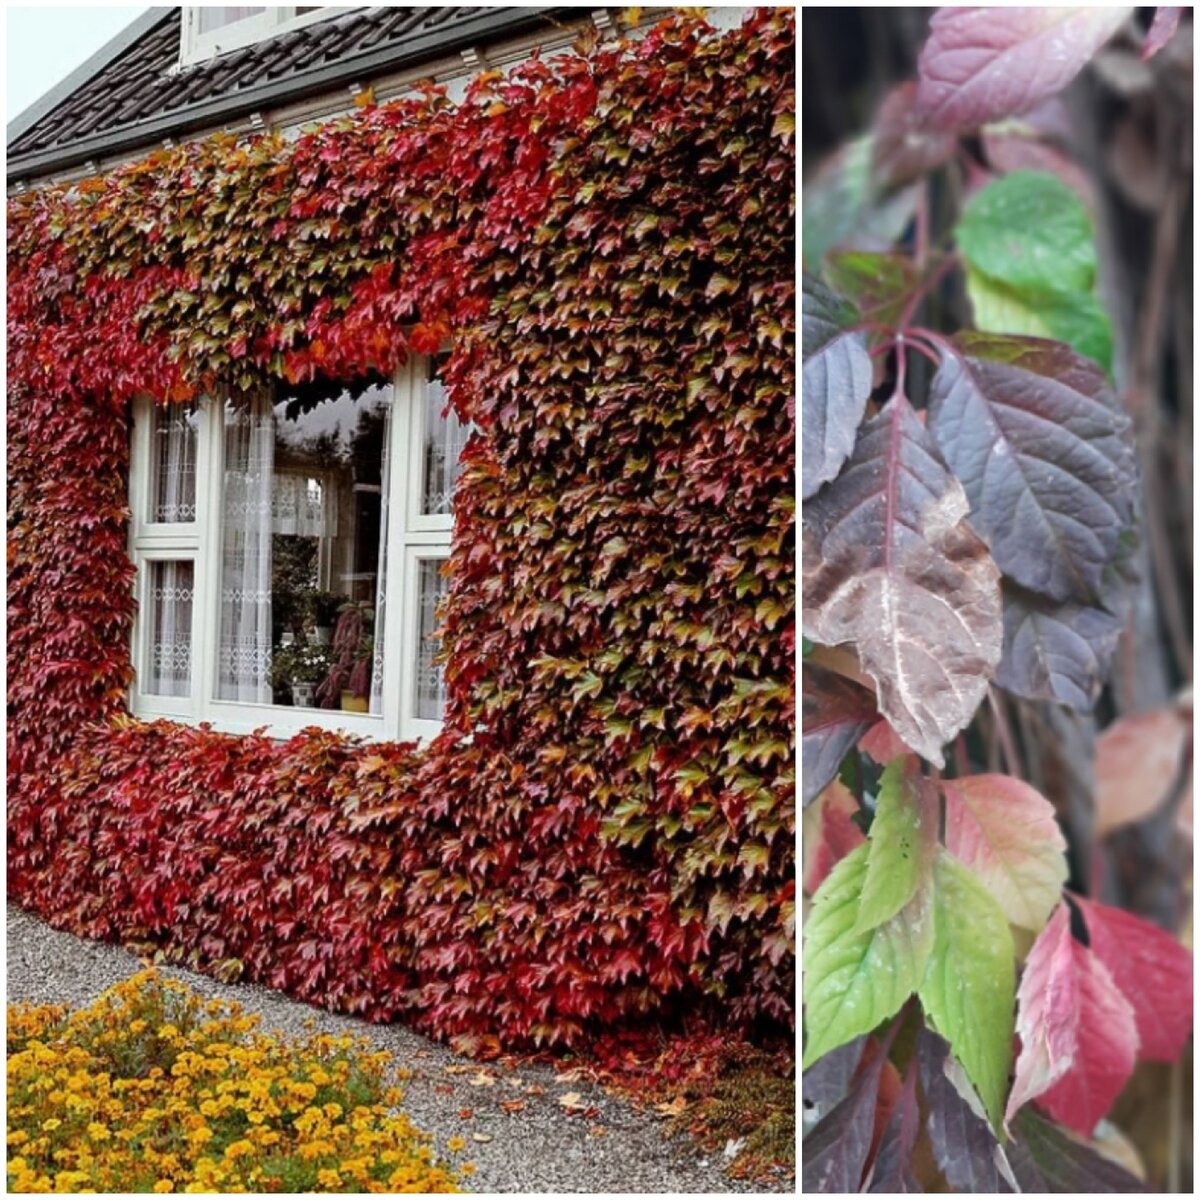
pixel 835 1152
pixel 1078 1032
pixel 964 1147
pixel 835 714
pixel 1029 230
pixel 1162 30
pixel 1053 651
pixel 836 384
pixel 829 833
pixel 1005 831
pixel 1153 972
pixel 880 284
pixel 1075 317
pixel 892 567
pixel 840 208
pixel 903 835
pixel 1045 455
pixel 1045 1158
pixel 967 990
pixel 892 1172
pixel 981 64
pixel 1138 760
pixel 903 150
pixel 853 981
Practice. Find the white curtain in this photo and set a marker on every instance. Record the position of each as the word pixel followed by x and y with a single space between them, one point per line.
pixel 385 479
pixel 445 438
pixel 173 496
pixel 170 666
pixel 244 654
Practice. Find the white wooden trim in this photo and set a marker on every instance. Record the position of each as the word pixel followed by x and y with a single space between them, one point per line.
pixel 200 543
pixel 279 18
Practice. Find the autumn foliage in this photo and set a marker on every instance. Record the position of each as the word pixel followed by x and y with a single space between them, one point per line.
pixel 604 830
pixel 970 533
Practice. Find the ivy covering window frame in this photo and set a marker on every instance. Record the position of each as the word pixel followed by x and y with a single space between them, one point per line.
pixel 176 533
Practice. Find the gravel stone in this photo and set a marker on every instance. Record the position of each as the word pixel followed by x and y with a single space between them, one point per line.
pixel 542 1148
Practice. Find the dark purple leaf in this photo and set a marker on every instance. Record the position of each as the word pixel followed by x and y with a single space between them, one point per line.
pixel 903 150
pixel 1162 30
pixel 983 64
pixel 837 382
pixel 1045 1158
pixel 835 1152
pixel 964 1147
pixel 892 1173
pixel 880 284
pixel 836 713
pixel 1045 454
pixel 892 567
pixel 827 1081
pixel 1057 652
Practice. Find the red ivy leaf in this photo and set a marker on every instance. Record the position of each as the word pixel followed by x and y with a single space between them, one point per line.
pixel 983 64
pixel 1152 970
pixel 834 837
pixel 1078 1033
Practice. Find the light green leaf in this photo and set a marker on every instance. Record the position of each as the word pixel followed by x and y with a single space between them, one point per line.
pixel 900 845
pixel 853 981
pixel 969 986
pixel 1072 317
pixel 1029 230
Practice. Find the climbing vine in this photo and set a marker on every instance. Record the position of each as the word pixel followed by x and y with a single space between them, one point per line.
pixel 604 830
pixel 969 535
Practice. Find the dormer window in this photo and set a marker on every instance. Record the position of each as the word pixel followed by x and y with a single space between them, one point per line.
pixel 213 30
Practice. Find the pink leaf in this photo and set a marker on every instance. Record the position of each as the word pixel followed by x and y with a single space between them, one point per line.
pixel 882 743
pixel 1078 1032
pixel 1152 970
pixel 830 834
pixel 1162 30
pixel 1137 762
pixel 1005 831
pixel 982 64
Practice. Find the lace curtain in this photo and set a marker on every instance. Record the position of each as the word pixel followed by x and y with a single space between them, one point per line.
pixel 173 486
pixel 171 595
pixel 244 652
pixel 385 480
pixel 444 442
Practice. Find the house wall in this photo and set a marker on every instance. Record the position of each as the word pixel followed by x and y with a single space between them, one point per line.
pixel 605 830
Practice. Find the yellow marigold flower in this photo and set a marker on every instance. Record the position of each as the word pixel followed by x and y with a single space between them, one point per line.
pixel 455 1144
pixel 164 1185
pixel 329 1179
pixel 51 1125
pixel 138 1026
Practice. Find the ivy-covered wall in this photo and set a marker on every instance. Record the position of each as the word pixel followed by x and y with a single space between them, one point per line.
pixel 605 829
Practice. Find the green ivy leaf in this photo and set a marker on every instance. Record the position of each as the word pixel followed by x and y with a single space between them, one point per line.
pixel 853 980
pixel 969 986
pixel 1031 263
pixel 1029 230
pixel 898 854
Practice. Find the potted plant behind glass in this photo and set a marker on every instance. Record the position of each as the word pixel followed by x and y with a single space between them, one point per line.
pixel 300 668
pixel 348 682
pixel 323 608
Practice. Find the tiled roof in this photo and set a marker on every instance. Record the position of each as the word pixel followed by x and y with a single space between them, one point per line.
pixel 141 96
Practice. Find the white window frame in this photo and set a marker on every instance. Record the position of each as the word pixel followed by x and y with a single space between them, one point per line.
pixel 198 47
pixel 411 536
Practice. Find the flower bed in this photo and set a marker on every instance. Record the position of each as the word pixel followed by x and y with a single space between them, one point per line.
pixel 153 1089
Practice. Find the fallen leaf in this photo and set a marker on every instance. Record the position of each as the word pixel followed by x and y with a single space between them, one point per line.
pixel 481 1137
pixel 482 1080
pixel 512 1106
pixel 466 1113
pixel 572 1101
pixel 597 1131
pixel 672 1109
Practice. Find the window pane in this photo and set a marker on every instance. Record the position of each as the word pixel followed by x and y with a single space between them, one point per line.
pixel 173 463
pixel 304 530
pixel 431 686
pixel 217 18
pixel 445 437
pixel 169 670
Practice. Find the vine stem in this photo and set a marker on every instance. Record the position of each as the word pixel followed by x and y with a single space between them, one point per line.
pixel 1007 742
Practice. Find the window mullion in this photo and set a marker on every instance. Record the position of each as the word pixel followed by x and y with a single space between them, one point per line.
pixel 210 467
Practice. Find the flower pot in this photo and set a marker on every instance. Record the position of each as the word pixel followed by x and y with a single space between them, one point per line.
pixel 302 694
pixel 353 703
pixel 323 635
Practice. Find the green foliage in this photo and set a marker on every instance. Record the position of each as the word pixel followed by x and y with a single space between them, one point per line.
pixel 1031 263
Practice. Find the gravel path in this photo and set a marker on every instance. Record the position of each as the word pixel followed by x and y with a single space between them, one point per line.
pixel 541 1148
